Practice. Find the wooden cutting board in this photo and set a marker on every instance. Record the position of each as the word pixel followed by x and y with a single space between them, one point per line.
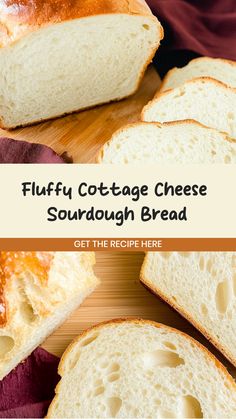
pixel 81 135
pixel 120 294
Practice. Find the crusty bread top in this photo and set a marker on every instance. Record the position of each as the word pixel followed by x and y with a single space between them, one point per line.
pixel 15 263
pixel 20 17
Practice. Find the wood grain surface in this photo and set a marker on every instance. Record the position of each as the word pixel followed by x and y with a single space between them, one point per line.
pixel 121 294
pixel 82 134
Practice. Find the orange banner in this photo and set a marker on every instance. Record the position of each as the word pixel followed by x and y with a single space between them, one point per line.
pixel 118 244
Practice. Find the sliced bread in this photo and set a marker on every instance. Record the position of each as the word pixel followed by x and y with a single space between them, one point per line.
pixel 60 58
pixel 205 100
pixel 38 291
pixel 177 142
pixel 141 369
pixel 216 68
pixel 200 286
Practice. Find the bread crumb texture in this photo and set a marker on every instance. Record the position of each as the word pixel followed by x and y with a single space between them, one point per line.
pixel 137 369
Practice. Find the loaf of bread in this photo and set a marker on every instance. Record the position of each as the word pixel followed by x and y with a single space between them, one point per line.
pixel 38 291
pixel 141 369
pixel 177 142
pixel 216 68
pixel 60 57
pixel 204 99
pixel 201 287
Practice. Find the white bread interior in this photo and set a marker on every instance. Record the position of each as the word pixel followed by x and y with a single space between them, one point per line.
pixel 140 369
pixel 177 142
pixel 205 100
pixel 73 65
pixel 202 287
pixel 36 309
pixel 216 68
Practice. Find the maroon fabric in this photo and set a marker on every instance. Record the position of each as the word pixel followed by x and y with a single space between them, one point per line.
pixel 28 390
pixel 194 28
pixel 14 151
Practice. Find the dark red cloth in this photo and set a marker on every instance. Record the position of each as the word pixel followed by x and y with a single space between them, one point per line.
pixel 14 151
pixel 28 390
pixel 194 28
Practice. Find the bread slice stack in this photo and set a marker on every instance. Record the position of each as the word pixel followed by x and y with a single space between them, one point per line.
pixel 141 369
pixel 55 60
pixel 215 68
pixel 38 291
pixel 204 99
pixel 201 287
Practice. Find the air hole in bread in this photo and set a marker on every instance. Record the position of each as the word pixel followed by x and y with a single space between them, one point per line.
pixel 98 382
pixel 181 93
pixel 98 391
pixel 202 263
pixel 146 27
pixel 165 255
pixel 89 340
pixel 170 345
pixel 157 402
pixel 204 309
pixel 74 360
pixel 185 254
pixel 167 414
pixel 222 297
pixel 114 405
pixel 159 358
pixel 191 407
pixel 234 283
pixel 27 312
pixel 113 377
pixel 209 265
pixel 6 345
pixel 114 367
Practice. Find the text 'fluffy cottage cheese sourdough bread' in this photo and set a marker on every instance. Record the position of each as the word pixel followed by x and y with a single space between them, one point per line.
pixel 141 369
pixel 201 287
pixel 38 291
pixel 177 142
pixel 216 68
pixel 60 57
pixel 205 100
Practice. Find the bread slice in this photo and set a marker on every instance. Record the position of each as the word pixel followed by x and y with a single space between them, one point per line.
pixel 38 291
pixel 205 100
pixel 201 287
pixel 141 369
pixel 177 142
pixel 216 68
pixel 55 60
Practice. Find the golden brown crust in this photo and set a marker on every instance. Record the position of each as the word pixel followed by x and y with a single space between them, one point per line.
pixel 16 263
pixel 183 313
pixel 100 154
pixel 99 326
pixel 20 17
pixel 195 60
